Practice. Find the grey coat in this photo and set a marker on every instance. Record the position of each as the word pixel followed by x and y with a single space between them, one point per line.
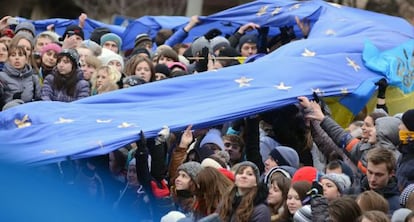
pixel 15 82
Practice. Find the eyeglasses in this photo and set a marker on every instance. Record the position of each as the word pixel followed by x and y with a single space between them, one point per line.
pixel 234 145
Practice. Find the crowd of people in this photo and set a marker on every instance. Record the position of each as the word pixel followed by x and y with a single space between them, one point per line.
pixel 293 163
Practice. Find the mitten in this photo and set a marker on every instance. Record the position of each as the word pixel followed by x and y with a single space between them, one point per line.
pixel 382 87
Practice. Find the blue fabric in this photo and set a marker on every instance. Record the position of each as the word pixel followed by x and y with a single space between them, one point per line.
pixel 322 62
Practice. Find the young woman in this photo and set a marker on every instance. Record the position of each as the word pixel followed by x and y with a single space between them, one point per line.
pixel 278 190
pixel 17 80
pixel 48 60
pixel 295 196
pixel 105 79
pixel 141 67
pixel 371 200
pixel 212 186
pixel 246 200
pixel 66 83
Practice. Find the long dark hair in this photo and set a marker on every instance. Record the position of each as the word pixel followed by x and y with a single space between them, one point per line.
pixel 68 82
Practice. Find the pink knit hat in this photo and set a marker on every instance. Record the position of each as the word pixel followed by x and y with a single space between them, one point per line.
pixel 51 46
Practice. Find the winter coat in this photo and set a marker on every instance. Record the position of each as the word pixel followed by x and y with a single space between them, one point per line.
pixel 19 84
pixel 49 93
pixel 389 192
pixel 405 165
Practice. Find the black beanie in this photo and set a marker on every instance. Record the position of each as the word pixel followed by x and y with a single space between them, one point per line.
pixel 162 68
pixel 98 33
pixel 408 119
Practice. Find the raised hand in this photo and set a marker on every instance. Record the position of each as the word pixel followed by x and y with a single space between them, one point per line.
pixel 248 27
pixel 186 137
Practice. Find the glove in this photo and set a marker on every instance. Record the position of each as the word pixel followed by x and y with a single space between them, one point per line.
pixel 382 87
pixel 201 65
pixel 163 135
pixel 141 144
pixel 212 33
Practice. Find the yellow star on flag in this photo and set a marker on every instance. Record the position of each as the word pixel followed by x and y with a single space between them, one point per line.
pixel 282 86
pixel 103 120
pixel 295 6
pixel 317 91
pixel 243 81
pixel 24 122
pixel 344 91
pixel 353 64
pixel 308 53
pixel 126 125
pixel 276 11
pixel 330 32
pixel 63 120
pixel 262 10
pixel 49 151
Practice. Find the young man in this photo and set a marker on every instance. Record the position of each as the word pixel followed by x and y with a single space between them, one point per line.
pixel 380 177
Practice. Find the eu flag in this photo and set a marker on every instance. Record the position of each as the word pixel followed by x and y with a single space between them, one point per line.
pixel 328 62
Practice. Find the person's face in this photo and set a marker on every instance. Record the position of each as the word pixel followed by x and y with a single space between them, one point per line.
pixel 6 40
pixel 367 127
pixel 88 70
pixel 83 53
pixel 293 201
pixel 182 182
pixel 3 52
pixel 269 164
pixel 377 175
pixel 101 78
pixel 73 40
pixel 245 179
pixel 160 76
pixel 116 64
pixel 26 45
pixel 165 60
pixel 132 175
pixel 372 136
pixel 248 49
pixel 143 70
pixel 49 58
pixel 330 191
pixel 64 66
pixel 111 45
pixel 17 59
pixel 275 194
pixel 42 41
pixel 233 149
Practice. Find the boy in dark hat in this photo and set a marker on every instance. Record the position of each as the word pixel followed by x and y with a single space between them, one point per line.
pixel 73 37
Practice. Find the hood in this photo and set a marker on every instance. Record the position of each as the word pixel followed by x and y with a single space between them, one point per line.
pixel 387 132
pixel 25 72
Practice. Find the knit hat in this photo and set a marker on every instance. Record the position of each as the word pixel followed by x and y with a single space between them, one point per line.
pixel 112 37
pixel 400 215
pixel 213 136
pixel 73 30
pixel 341 181
pixel 108 55
pixel 408 119
pixel 172 216
pixel 284 155
pixel 98 33
pixel 247 39
pixel 180 65
pixel 28 26
pixel 303 214
pixel 141 38
pixel 405 194
pixel 137 51
pixel 72 54
pixel 199 44
pixel 252 165
pixel 219 42
pixel 51 34
pixel 306 173
pixel 268 176
pixel 162 68
pixel 191 168
pixel 12 103
pixel 227 173
pixel 27 36
pixel 210 162
pixel 7 32
pixel 51 46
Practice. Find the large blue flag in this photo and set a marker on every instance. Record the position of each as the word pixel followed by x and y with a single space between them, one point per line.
pixel 328 62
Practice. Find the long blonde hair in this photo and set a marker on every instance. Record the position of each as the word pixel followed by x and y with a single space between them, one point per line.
pixel 113 75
